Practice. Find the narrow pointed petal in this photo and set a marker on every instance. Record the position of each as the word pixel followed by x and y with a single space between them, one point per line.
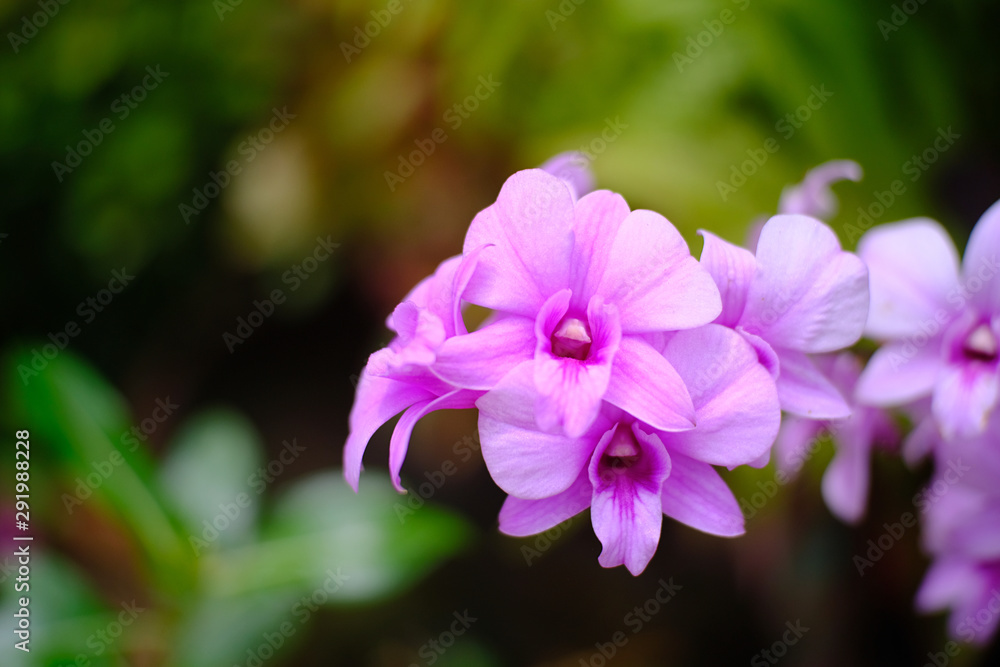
pixel 520 517
pixel 645 385
pixel 696 495
pixel 653 279
pixel 921 441
pixel 805 391
pixel 597 220
pixel 530 232
pixel 625 510
pixel 378 400
pixel 732 268
pixel 899 373
pixel 735 398
pixel 524 461
pixel 964 399
pixel 795 437
pixel 400 441
pixel 847 479
pixel 480 359
pixel 913 267
pixel 980 265
pixel 807 294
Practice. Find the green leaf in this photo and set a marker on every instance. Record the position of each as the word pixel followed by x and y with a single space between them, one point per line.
pixel 227 631
pixel 341 546
pixel 208 477
pixel 74 413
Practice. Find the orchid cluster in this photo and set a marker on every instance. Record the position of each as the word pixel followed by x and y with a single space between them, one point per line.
pixel 940 322
pixel 616 372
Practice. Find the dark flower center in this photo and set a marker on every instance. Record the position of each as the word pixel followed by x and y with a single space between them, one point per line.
pixel 622 452
pixel 571 339
pixel 981 345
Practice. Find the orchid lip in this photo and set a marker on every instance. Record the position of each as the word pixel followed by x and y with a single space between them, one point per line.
pixel 572 339
pixel 981 344
pixel 622 452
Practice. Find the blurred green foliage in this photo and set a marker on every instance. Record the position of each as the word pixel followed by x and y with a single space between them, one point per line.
pixel 186 537
pixel 692 90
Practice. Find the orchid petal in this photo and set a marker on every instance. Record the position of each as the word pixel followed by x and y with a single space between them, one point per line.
pixel 805 391
pixel 808 294
pixel 899 373
pixel 524 461
pixel 480 359
pixel 735 398
pixel 378 400
pixel 980 265
pixel 520 517
pixel 644 384
pixel 625 510
pixel 696 495
pixel 530 233
pixel 732 268
pixel 653 280
pixel 912 267
pixel 400 441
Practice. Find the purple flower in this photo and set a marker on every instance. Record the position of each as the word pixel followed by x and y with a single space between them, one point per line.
pixel 961 531
pixel 627 471
pixel 847 479
pixel 941 321
pixel 813 196
pixel 400 376
pixel 576 286
pixel 800 295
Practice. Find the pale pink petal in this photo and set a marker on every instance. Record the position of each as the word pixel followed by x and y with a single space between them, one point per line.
pixel 625 510
pixel 947 582
pixel 520 517
pixel 645 385
pixel 480 359
pixel 732 268
pixel 524 461
pixel 530 231
pixel 432 293
pixel 653 280
pixel 573 167
pixel 766 355
pixel 847 478
pixel 735 398
pixel 813 196
pixel 400 441
pixel 795 438
pixel 899 373
pixel 921 441
pixel 808 294
pixel 980 266
pixel 805 391
pixel 377 401
pixel 964 399
pixel 912 267
pixel 696 495
pixel 597 220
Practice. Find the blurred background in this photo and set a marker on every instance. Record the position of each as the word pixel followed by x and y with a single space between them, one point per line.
pixel 209 207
